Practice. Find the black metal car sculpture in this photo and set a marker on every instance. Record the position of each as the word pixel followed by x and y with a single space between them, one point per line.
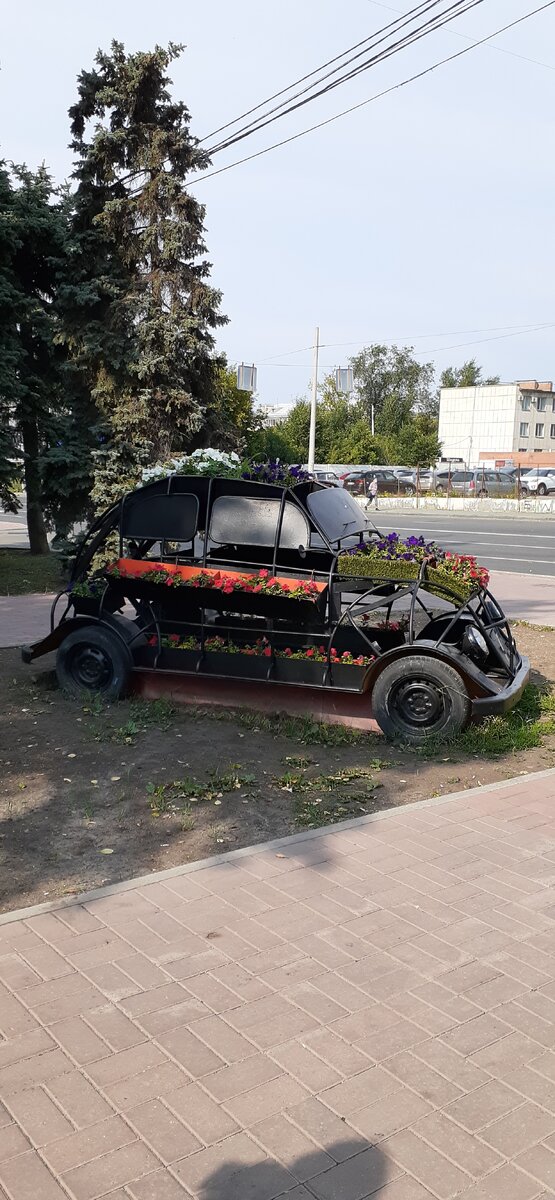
pixel 281 585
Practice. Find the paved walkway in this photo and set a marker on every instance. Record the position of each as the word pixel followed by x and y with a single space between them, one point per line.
pixel 363 1011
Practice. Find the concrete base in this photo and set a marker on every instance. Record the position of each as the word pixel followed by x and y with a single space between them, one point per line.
pixel 332 707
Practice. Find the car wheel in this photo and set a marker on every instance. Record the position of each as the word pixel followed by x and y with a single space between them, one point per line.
pixel 482 494
pixel 542 490
pixel 410 490
pixel 94 659
pixel 417 697
pixel 439 489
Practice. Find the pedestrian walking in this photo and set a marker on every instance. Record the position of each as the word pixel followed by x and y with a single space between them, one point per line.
pixel 373 493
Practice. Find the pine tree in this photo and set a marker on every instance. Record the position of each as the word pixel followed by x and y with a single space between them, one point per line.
pixel 32 250
pixel 140 313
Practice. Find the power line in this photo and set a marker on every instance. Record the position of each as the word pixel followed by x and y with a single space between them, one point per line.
pixel 514 331
pixel 378 96
pixel 536 62
pixel 329 63
pixel 436 21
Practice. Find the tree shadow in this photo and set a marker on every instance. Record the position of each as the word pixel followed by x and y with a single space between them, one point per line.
pixel 348 1170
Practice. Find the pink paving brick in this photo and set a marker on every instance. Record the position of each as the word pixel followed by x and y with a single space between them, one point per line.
pixel 390 985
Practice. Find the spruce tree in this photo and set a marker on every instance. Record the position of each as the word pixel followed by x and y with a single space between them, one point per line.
pixel 32 252
pixel 140 314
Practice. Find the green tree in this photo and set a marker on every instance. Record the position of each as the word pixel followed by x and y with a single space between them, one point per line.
pixel 140 314
pixel 391 384
pixel 468 375
pixel 230 419
pixel 416 444
pixel 294 431
pixel 32 258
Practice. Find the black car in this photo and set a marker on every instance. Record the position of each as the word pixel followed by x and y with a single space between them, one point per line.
pixel 358 483
pixel 248 581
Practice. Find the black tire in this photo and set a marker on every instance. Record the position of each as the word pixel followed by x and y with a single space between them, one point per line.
pixel 410 490
pixel 439 489
pixel 482 494
pixel 541 490
pixel 94 659
pixel 418 696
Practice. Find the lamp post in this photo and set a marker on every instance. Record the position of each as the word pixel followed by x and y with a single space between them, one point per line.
pixel 313 403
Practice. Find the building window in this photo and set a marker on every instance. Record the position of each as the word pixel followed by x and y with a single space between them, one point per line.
pixel 524 429
pixel 552 433
pixel 525 403
pixel 539 429
pixel 542 404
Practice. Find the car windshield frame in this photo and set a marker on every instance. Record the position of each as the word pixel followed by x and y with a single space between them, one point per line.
pixel 330 508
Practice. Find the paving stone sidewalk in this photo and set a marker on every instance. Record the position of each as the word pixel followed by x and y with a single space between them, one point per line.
pixel 365 1011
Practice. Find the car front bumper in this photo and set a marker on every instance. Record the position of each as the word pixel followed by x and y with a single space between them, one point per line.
pixel 506 699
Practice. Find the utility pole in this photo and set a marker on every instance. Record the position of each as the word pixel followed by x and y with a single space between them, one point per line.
pixel 313 403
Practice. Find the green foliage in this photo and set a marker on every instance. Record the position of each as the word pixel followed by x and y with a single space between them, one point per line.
pixel 230 421
pixel 468 375
pixel 389 380
pixel 417 443
pixel 140 313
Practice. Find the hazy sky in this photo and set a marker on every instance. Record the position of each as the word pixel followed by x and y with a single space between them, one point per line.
pixel 425 217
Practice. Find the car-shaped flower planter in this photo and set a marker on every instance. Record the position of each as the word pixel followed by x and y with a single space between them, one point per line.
pixel 284 585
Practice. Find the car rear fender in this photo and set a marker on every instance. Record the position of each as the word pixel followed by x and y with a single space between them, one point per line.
pixel 475 681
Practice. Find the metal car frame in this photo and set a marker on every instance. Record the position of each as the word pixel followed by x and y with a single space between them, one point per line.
pixel 494 680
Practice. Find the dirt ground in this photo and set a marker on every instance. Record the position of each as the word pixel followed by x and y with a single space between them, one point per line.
pixel 90 796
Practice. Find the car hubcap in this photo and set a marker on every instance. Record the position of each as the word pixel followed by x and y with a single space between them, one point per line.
pixel 418 702
pixel 91 668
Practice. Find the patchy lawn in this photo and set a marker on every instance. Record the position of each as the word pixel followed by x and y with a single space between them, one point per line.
pixel 21 572
pixel 90 795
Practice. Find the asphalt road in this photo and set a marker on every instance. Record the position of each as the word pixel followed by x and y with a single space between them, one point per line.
pixel 499 543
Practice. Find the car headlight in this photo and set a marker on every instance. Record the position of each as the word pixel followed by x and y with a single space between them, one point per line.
pixel 474 644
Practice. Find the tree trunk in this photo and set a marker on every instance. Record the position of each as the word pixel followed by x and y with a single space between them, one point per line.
pixel 38 540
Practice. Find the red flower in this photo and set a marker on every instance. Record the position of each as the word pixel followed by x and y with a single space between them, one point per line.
pixel 310 654
pixel 174 637
pixel 268 652
pixel 153 641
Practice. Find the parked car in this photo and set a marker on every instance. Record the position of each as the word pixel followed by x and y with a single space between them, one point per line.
pixel 304 618
pixel 327 477
pixel 479 482
pixel 358 483
pixel 539 481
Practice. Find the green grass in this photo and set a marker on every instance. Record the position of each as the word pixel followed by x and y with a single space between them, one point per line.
pixel 21 573
pixel 178 795
pixel 142 715
pixel 303 730
pixel 523 728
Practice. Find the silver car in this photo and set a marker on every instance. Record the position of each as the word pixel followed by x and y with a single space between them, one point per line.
pixel 479 482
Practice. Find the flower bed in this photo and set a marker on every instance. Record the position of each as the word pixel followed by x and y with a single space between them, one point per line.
pixel 227 591
pixel 397 559
pixel 261 648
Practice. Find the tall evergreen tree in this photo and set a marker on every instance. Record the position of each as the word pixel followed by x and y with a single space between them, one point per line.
pixel 140 312
pixel 32 251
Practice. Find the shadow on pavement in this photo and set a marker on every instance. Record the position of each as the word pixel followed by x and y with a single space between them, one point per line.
pixel 344 1171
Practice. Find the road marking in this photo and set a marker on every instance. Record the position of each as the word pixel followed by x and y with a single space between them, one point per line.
pixel 483 533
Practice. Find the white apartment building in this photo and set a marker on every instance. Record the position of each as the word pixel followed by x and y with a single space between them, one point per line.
pixel 502 419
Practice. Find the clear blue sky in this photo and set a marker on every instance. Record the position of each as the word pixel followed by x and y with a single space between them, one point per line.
pixel 427 213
